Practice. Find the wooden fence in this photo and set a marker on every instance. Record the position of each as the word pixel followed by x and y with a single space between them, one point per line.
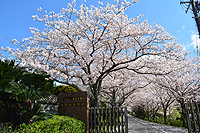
pixel 193 116
pixel 108 120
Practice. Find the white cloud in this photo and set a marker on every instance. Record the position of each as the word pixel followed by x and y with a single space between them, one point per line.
pixel 183 27
pixel 195 40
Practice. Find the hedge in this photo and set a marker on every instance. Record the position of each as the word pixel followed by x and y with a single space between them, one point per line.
pixel 57 124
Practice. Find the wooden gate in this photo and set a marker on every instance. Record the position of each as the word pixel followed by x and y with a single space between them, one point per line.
pixel 108 120
pixel 193 117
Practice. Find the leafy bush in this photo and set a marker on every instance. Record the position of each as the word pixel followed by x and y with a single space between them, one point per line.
pixel 21 105
pixel 64 89
pixel 19 91
pixel 58 124
pixel 38 80
pixel 176 123
pixel 160 120
pixel 6 127
pixel 9 72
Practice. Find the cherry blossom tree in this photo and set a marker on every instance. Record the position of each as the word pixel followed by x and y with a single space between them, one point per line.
pixel 118 87
pixel 182 84
pixel 165 99
pixel 81 47
pixel 148 103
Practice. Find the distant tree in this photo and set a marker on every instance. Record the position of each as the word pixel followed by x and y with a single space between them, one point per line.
pixel 145 102
pixel 118 88
pixel 164 97
pixel 182 84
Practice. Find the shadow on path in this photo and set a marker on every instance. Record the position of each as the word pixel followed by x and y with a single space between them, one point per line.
pixel 136 125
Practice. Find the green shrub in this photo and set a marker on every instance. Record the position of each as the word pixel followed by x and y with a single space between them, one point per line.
pixel 160 120
pixel 6 127
pixel 64 89
pixel 176 123
pixel 57 124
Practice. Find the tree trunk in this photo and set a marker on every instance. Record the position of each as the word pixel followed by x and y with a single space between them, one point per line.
pixel 95 93
pixel 96 87
pixel 155 110
pixel 165 116
pixel 154 118
pixel 96 102
pixel 183 117
pixel 154 114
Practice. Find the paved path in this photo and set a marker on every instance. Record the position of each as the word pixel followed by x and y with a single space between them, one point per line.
pixel 136 125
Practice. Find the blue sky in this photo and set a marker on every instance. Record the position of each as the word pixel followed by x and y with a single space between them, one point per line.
pixel 16 18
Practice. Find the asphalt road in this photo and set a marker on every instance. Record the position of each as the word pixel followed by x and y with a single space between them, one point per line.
pixel 136 125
